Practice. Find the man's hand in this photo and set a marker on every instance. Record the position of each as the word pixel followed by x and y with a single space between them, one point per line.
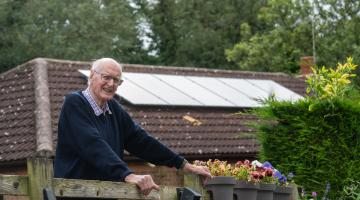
pixel 144 182
pixel 201 170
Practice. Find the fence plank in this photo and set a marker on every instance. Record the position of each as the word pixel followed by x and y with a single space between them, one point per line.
pixel 13 185
pixel 168 193
pixel 106 189
pixel 40 172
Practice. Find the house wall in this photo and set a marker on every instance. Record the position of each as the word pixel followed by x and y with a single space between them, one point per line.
pixel 14 170
pixel 161 175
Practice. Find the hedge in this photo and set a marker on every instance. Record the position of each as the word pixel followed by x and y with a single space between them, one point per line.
pixel 319 146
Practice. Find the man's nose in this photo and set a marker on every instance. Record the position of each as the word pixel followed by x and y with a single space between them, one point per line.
pixel 111 82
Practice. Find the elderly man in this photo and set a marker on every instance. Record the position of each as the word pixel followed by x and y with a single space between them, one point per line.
pixel 94 130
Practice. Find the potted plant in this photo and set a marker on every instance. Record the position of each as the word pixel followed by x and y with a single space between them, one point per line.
pixel 265 175
pixel 221 186
pixel 246 186
pixel 282 190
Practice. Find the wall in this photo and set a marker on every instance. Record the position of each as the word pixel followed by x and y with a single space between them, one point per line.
pixel 161 175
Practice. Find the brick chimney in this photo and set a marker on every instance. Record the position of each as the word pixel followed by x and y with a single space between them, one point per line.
pixel 306 63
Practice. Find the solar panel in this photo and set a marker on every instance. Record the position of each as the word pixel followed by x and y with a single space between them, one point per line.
pixel 138 95
pixel 200 94
pixel 281 93
pixel 85 72
pixel 178 90
pixel 216 86
pixel 245 87
pixel 161 89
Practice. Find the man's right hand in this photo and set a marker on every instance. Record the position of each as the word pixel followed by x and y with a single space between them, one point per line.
pixel 144 182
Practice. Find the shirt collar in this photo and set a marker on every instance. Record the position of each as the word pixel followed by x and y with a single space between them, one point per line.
pixel 97 110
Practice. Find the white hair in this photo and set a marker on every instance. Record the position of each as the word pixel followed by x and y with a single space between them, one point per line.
pixel 96 65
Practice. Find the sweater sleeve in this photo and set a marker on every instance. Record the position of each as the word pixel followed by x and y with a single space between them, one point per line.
pixel 83 136
pixel 146 147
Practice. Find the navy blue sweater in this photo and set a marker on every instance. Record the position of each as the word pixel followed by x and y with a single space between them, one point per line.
pixel 91 147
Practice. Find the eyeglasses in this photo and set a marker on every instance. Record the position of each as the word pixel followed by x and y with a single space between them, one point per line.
pixel 107 78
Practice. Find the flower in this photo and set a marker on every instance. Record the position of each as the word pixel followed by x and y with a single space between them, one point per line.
pixel 243 170
pixel 255 175
pixel 219 168
pixel 267 165
pixel 314 194
pixel 254 171
pixel 266 175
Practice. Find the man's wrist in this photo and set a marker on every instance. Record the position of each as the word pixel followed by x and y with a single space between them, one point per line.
pixel 183 164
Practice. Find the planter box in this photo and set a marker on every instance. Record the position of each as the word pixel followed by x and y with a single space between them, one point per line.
pixel 244 190
pixel 282 193
pixel 266 191
pixel 221 187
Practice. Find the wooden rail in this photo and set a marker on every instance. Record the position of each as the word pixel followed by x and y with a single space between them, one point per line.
pixel 18 186
pixel 14 185
pixel 107 189
pixel 40 176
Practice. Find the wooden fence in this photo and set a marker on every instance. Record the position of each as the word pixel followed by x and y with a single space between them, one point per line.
pixel 40 176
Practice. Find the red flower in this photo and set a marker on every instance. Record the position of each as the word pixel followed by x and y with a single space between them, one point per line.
pixel 255 175
pixel 238 164
pixel 268 172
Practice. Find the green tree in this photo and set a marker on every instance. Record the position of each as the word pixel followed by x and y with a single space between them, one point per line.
pixel 78 30
pixel 197 32
pixel 288 35
pixel 338 26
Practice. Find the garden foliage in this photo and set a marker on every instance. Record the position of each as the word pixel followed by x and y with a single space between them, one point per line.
pixel 317 138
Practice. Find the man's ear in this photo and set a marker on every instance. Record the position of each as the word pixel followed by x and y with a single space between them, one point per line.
pixel 91 74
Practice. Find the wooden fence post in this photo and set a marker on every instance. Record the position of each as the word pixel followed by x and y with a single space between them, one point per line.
pixel 194 182
pixel 40 173
pixel 295 193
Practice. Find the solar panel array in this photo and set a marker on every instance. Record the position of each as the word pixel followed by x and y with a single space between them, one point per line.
pixel 178 90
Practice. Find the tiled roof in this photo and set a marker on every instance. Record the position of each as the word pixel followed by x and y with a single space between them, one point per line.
pixel 219 133
pixel 17 130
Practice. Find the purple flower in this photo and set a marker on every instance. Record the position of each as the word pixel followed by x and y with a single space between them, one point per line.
pixel 266 164
pixel 313 194
pixel 282 179
pixel 278 175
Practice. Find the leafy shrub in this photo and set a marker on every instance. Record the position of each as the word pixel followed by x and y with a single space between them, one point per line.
pixel 351 191
pixel 318 138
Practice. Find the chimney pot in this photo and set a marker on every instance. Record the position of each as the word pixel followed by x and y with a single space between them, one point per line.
pixel 306 63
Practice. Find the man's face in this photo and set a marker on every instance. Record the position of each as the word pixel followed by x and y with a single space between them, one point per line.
pixel 102 84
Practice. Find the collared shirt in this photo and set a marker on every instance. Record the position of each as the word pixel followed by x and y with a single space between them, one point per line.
pixel 98 111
